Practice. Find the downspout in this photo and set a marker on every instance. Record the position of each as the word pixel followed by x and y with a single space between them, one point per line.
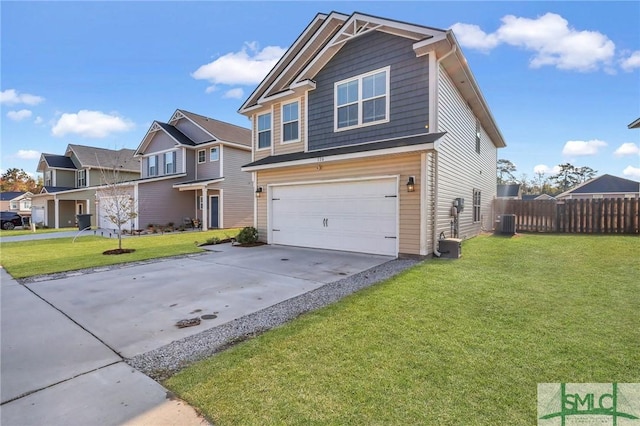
pixel 436 253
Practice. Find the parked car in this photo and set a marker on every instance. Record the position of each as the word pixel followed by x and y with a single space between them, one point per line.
pixel 10 220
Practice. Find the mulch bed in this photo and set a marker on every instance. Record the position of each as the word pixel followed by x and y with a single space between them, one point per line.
pixel 119 251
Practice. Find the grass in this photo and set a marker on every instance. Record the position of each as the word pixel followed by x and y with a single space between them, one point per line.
pixel 28 258
pixel 27 231
pixel 447 342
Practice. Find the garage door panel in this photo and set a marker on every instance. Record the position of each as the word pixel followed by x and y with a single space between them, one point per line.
pixel 356 216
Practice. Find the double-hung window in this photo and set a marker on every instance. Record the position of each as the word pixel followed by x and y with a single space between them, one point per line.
pixel 81 178
pixel 202 156
pixel 476 205
pixel 264 131
pixel 47 178
pixel 362 100
pixel 291 122
pixel 169 162
pixel 214 154
pixel 152 165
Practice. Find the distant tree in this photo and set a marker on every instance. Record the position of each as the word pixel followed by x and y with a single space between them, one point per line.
pixel 585 173
pixel 505 169
pixel 17 180
pixel 570 176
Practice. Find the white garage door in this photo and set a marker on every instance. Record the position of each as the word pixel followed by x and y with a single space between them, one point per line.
pixel 358 216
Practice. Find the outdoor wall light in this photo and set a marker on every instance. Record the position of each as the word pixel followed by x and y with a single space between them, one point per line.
pixel 258 191
pixel 411 184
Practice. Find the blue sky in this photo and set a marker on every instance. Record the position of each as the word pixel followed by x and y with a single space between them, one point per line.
pixel 562 79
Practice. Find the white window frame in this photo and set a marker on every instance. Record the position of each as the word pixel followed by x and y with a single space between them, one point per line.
pixel 47 177
pixel 14 205
pixel 296 121
pixel 81 178
pixel 213 150
pixel 477 205
pixel 360 100
pixel 153 168
pixel 204 156
pixel 200 200
pixel 258 131
pixel 172 156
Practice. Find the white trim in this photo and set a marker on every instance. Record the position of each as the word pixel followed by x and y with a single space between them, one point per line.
pixel 306 122
pixel 341 157
pixel 195 185
pixel 221 209
pixel 282 122
pixel 219 197
pixel 433 92
pixel 423 204
pixel 255 201
pixel 184 160
pixel 257 141
pixel 204 152
pixel 217 149
pixel 360 100
pixel 220 163
pixel 333 181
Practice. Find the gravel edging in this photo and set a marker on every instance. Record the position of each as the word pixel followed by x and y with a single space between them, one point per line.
pixel 163 362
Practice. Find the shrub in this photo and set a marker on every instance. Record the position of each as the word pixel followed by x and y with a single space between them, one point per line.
pixel 213 240
pixel 248 235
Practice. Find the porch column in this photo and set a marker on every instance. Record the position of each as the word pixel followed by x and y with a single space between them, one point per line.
pixel 56 213
pixel 205 209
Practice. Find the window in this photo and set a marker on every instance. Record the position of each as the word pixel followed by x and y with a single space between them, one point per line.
pixel 200 202
pixel 290 122
pixel 476 205
pixel 362 100
pixel 26 204
pixel 81 178
pixel 214 154
pixel 47 178
pixel 478 136
pixel 169 162
pixel 264 131
pixel 201 156
pixel 14 205
pixel 152 166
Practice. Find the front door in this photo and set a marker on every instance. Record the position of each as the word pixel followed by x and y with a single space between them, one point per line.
pixel 214 221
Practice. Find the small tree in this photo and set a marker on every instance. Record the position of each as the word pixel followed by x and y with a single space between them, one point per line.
pixel 120 208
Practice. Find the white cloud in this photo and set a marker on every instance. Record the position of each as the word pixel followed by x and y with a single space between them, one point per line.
pixel 544 169
pixel 28 154
pixel 12 97
pixel 19 115
pixel 632 172
pixel 632 62
pixel 246 67
pixel 580 148
pixel 628 148
pixel 236 93
pixel 90 124
pixel 550 37
pixel 38 120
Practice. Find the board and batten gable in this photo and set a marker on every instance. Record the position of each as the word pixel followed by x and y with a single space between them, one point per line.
pixel 237 188
pixel 409 91
pixel 461 169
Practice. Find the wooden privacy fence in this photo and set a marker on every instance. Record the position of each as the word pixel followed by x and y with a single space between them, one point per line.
pixel 595 216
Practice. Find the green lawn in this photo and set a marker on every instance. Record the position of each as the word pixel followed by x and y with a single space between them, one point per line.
pixel 17 232
pixel 448 342
pixel 36 257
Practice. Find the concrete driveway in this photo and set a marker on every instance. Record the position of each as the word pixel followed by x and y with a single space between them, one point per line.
pixel 64 339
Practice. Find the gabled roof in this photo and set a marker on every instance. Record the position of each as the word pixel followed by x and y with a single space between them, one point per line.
pixel 326 35
pixel 635 124
pixel 178 137
pixel 508 190
pixel 102 158
pixel 219 130
pixel 605 184
pixel 54 189
pixel 10 195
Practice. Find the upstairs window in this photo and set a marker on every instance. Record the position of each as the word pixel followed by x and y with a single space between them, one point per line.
pixel 201 156
pixel 214 154
pixel 152 166
pixel 81 178
pixel 362 100
pixel 290 122
pixel 47 178
pixel 264 131
pixel 14 205
pixel 169 162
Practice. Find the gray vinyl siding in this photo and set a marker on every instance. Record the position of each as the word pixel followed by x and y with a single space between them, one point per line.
pixel 409 97
pixel 194 133
pixel 161 143
pixel 238 193
pixel 460 168
pixel 208 169
pixel 159 203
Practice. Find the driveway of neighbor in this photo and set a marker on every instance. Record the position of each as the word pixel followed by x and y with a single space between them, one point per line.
pixel 64 339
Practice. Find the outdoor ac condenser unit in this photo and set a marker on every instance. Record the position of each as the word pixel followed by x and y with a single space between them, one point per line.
pixel 508 224
pixel 450 248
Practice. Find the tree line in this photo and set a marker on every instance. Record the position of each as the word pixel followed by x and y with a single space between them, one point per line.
pixel 568 176
pixel 17 180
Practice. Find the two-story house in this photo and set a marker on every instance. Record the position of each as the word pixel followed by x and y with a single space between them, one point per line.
pixel 371 135
pixel 16 201
pixel 70 182
pixel 190 169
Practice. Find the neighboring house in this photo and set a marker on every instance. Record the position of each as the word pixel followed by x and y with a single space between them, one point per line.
pixel 70 182
pixel 605 186
pixel 19 202
pixel 190 169
pixel 509 191
pixel 530 197
pixel 365 134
